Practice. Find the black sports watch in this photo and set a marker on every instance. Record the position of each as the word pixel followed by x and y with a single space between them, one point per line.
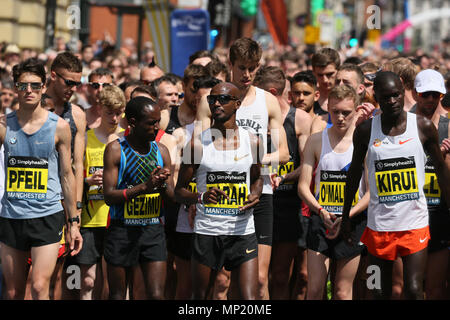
pixel 74 219
pixel 79 205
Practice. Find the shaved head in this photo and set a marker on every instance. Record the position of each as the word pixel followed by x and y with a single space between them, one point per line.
pixel 226 88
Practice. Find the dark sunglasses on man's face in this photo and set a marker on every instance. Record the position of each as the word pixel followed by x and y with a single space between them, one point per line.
pixel 370 76
pixel 97 85
pixel 69 83
pixel 23 86
pixel 426 94
pixel 222 98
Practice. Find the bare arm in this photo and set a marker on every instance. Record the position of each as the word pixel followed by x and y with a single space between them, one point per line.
pixel 78 150
pixel 277 133
pixel 429 138
pixel 63 141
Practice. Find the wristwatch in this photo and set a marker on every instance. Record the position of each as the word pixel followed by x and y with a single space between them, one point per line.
pixel 74 219
pixel 79 205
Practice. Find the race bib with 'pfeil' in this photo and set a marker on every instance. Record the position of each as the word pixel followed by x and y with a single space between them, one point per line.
pixel 332 190
pixel 396 179
pixel 234 184
pixel 27 178
pixel 142 210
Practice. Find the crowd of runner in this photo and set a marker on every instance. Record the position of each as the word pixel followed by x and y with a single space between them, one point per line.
pixel 279 173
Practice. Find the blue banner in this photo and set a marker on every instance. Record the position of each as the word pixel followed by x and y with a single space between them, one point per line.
pixel 189 32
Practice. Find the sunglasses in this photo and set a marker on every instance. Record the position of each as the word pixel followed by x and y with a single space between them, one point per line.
pixel 97 85
pixel 370 76
pixel 434 94
pixel 181 95
pixel 69 83
pixel 23 86
pixel 222 98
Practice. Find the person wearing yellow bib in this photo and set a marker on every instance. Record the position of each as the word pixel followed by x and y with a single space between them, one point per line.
pixel 94 216
pixel 331 150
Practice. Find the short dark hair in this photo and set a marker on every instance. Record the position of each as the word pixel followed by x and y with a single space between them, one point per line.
pixel 246 49
pixel 216 67
pixel 194 71
pixel 155 84
pixel 143 89
pixel 135 106
pixel 205 82
pixel 304 76
pixel 67 60
pixel 100 72
pixel 324 57
pixel 31 65
pixel 202 54
pixel 354 68
pixel 270 75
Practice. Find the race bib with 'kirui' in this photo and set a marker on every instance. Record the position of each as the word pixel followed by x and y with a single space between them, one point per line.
pixel 396 180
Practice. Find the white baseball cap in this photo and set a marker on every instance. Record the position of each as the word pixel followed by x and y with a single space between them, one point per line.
pixel 429 80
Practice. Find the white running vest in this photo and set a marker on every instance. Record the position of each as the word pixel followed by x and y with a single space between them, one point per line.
pixel 396 167
pixel 255 118
pixel 331 175
pixel 229 171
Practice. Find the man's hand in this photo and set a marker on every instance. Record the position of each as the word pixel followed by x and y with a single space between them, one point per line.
pixel 213 196
pixel 75 239
pixel 363 112
pixel 157 179
pixel 96 178
pixel 445 146
pixel 251 201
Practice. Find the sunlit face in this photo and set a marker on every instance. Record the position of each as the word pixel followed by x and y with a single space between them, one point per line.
pixel 65 83
pixel 111 117
pixel 341 113
pixel 147 126
pixel 326 76
pixel 96 85
pixel 303 96
pixel 427 102
pixel 391 97
pixel 29 96
pixel 167 95
pixel 243 73
pixel 7 97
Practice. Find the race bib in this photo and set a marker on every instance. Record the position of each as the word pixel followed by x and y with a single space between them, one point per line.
pixel 396 180
pixel 234 184
pixel 431 187
pixel 95 192
pixel 332 190
pixel 142 210
pixel 27 178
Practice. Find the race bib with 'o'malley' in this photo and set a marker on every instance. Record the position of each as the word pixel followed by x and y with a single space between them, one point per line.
pixel 396 180
pixel 431 187
pixel 143 210
pixel 332 190
pixel 27 178
pixel 234 184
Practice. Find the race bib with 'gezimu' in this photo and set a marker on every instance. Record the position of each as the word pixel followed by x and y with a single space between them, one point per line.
pixel 234 184
pixel 396 180
pixel 26 178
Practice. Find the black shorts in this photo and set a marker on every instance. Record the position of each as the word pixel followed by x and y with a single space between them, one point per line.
pixel 263 217
pixel 224 251
pixel 286 223
pixel 302 242
pixel 127 246
pixel 180 244
pixel 23 234
pixel 93 246
pixel 336 248
pixel 439 221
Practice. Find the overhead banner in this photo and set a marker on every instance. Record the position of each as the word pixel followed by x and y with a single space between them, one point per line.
pixel 157 13
pixel 189 33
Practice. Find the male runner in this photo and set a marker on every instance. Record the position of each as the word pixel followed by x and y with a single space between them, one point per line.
pixel 226 164
pixel 395 143
pixel 38 170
